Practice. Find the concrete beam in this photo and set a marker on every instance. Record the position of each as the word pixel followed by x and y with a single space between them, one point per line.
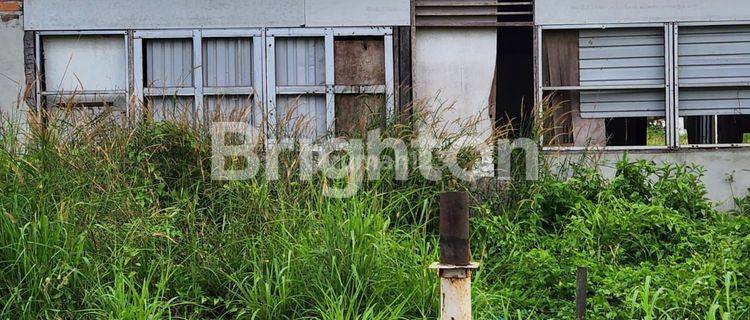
pixel 149 14
pixel 549 12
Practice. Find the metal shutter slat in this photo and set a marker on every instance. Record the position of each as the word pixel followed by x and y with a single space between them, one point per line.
pixel 712 56
pixel 622 57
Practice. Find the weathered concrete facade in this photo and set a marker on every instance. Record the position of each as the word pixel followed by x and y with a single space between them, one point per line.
pixel 12 76
pixel 550 12
pixel 149 14
pixel 453 74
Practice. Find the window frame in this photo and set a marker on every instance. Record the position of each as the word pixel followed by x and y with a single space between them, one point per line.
pixel 671 86
pixel 40 84
pixel 264 74
pixel 704 85
pixel 329 89
pixel 256 90
pixel 541 90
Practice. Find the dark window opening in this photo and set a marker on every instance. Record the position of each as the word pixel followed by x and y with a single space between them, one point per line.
pixel 515 80
pixel 627 131
pixel 717 129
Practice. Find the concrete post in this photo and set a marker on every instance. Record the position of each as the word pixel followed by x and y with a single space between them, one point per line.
pixel 455 264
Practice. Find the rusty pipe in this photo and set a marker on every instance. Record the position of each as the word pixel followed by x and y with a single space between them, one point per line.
pixel 455 266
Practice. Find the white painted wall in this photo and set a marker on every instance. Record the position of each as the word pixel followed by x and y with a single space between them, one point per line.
pixel 630 11
pixel 453 73
pixel 154 14
pixel 12 76
pixel 727 170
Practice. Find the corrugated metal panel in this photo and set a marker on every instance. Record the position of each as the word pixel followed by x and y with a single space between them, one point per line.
pixel 303 115
pixel 228 62
pixel 711 101
pixel 621 57
pixel 230 108
pixel 77 63
pixel 473 13
pixel 173 109
pixel 300 61
pixel 169 63
pixel 718 54
pixel 622 103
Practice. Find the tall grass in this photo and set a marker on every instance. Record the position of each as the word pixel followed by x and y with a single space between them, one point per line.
pixel 125 223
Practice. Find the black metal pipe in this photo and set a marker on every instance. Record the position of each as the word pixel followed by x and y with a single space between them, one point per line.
pixel 454 229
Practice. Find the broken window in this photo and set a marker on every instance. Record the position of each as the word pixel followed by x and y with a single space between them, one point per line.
pixel 661 86
pixel 71 87
pixel 605 87
pixel 329 80
pixel 714 78
pixel 360 84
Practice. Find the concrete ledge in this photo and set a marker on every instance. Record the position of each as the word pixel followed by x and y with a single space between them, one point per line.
pixel 727 173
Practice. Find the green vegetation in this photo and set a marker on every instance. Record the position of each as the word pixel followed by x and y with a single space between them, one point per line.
pixel 656 134
pixel 128 225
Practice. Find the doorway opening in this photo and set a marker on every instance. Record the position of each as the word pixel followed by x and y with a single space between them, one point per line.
pixel 515 81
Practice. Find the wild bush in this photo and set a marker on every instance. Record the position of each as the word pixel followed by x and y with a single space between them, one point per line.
pixel 130 226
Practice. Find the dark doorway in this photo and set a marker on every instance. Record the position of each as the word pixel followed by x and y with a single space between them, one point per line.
pixel 515 80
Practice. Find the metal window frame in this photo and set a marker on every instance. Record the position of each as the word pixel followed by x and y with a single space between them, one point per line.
pixel 39 40
pixel 256 91
pixel 670 110
pixel 264 88
pixel 670 47
pixel 199 91
pixel 272 88
pixel 196 91
pixel 672 89
pixel 330 89
pixel 676 67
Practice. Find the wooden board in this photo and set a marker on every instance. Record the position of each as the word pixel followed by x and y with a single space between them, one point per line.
pixel 360 61
pixel 355 114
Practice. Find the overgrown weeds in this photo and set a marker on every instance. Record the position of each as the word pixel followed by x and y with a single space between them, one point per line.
pixel 127 224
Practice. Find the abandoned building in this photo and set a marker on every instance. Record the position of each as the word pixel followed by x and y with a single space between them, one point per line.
pixel 665 81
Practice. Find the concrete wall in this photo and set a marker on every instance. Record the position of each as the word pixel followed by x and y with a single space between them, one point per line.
pixel 727 170
pixel 453 73
pixel 631 11
pixel 150 14
pixel 12 76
